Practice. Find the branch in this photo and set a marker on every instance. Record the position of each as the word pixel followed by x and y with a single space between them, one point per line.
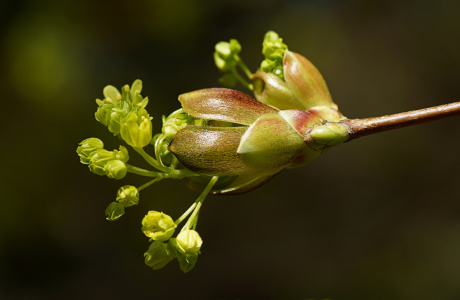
pixel 362 127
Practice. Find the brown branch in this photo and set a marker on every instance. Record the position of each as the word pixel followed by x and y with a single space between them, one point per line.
pixel 362 127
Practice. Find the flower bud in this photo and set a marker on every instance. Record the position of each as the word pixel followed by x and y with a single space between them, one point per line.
pixel 115 169
pixel 158 255
pixel 187 261
pixel 189 241
pixel 114 211
pixel 158 226
pixel 136 130
pixel 273 49
pixel 99 159
pixel 103 113
pixel 128 195
pixel 225 53
pixel 116 120
pixel 87 147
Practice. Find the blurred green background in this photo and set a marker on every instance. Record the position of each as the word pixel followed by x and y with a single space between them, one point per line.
pixel 377 218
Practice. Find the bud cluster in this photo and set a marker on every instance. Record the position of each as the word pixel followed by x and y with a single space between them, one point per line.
pixel 101 161
pixel 125 114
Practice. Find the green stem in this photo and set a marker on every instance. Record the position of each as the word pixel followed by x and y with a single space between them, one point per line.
pixel 152 161
pixel 142 172
pixel 199 202
pixel 244 68
pixel 241 79
pixel 148 184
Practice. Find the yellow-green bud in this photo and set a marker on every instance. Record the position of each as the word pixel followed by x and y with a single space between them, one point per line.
pixel 158 255
pixel 98 159
pixel 158 226
pixel 87 147
pixel 103 113
pixel 115 169
pixel 128 195
pixel 189 241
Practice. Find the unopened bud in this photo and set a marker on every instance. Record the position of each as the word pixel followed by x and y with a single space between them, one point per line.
pixel 87 147
pixel 158 226
pixel 128 195
pixel 189 241
pixel 158 255
pixel 115 169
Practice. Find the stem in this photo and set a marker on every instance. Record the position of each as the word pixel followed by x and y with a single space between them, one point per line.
pixel 152 161
pixel 191 221
pixel 148 184
pixel 142 172
pixel 362 127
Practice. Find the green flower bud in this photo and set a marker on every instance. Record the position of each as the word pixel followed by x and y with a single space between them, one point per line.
pixel 273 49
pixel 128 195
pixel 87 147
pixel 116 120
pixel 187 261
pixel 99 159
pixel 158 255
pixel 136 130
pixel 103 113
pixel 158 226
pixel 114 211
pixel 189 242
pixel 115 169
pixel 226 55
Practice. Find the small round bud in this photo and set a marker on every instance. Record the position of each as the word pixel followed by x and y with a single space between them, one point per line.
pixel 187 261
pixel 128 195
pixel 115 169
pixel 158 255
pixel 98 160
pixel 114 211
pixel 87 147
pixel 158 226
pixel 189 241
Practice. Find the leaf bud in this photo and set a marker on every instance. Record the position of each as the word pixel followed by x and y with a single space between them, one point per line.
pixel 128 195
pixel 87 147
pixel 329 134
pixel 114 211
pixel 158 226
pixel 189 241
pixel 115 169
pixel 158 255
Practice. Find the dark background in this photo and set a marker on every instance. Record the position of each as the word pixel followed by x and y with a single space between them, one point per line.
pixel 377 218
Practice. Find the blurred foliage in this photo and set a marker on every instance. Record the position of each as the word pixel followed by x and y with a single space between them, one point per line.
pixel 390 229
